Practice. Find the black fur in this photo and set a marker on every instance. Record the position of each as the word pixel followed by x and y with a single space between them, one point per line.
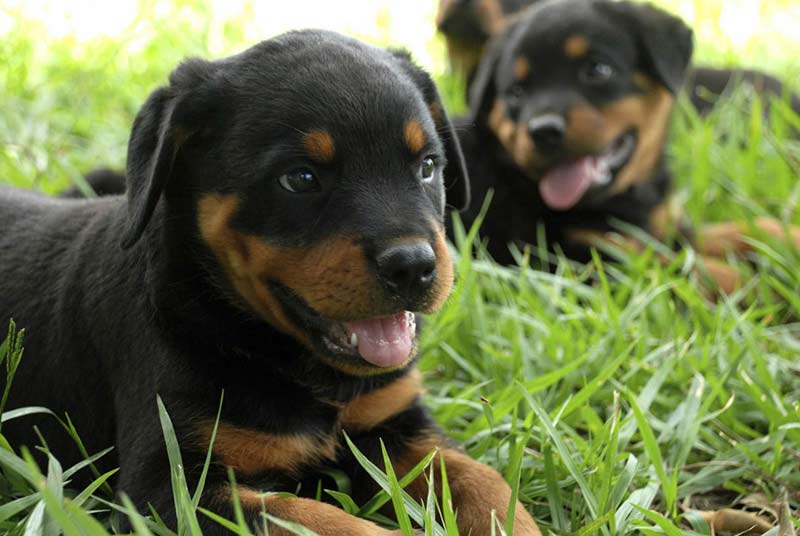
pixel 637 40
pixel 122 300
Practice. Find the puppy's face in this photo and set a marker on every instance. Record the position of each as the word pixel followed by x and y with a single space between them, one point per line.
pixel 320 194
pixel 579 94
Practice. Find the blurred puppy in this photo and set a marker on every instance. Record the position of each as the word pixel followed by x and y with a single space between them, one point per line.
pixel 570 107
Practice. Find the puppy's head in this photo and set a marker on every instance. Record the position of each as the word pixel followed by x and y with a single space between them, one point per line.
pixel 579 94
pixel 468 24
pixel 315 172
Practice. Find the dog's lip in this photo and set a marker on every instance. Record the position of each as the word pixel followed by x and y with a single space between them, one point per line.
pixel 612 158
pixel 620 151
pixel 335 338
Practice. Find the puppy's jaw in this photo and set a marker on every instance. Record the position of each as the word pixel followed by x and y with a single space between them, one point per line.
pixel 332 278
pixel 591 130
pixel 649 115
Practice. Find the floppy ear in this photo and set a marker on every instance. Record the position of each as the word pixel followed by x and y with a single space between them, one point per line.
pixel 163 124
pixel 456 179
pixel 482 89
pixel 151 153
pixel 664 39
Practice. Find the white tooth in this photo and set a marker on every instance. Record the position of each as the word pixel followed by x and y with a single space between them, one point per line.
pixel 603 178
pixel 353 340
pixel 412 323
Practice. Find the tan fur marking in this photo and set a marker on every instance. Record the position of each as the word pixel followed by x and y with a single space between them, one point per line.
pixel 513 136
pixel 414 136
pixel 522 68
pixel 668 221
pixel 332 277
pixel 324 519
pixel 476 489
pixel 650 114
pixel 644 82
pixel 720 239
pixel 444 269
pixel 319 145
pixel 727 278
pixel 576 46
pixel 233 251
pixel 592 130
pixel 249 451
pixel 370 410
pixel 597 239
pixel 724 276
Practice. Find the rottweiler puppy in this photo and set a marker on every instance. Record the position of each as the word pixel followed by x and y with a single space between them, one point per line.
pixel 281 230
pixel 569 113
pixel 468 25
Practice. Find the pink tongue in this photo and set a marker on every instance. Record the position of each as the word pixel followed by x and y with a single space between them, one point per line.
pixel 385 341
pixel 563 186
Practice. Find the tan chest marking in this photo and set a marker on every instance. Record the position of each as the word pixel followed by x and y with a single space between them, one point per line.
pixel 250 452
pixel 369 410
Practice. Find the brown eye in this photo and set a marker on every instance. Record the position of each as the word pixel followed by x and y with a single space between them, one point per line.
pixel 427 169
pixel 596 72
pixel 299 181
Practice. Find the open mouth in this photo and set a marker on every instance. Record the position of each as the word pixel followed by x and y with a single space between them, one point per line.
pixel 386 341
pixel 564 185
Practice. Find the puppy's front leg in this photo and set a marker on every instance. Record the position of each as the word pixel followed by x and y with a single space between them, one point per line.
pixel 477 489
pixel 324 519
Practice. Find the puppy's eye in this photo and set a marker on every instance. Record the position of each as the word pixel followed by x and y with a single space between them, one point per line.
pixel 299 181
pixel 427 169
pixel 596 72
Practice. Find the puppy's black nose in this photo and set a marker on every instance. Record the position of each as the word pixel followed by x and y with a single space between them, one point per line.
pixel 408 269
pixel 547 132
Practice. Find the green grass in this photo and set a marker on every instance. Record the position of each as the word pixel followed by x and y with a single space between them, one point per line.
pixel 615 395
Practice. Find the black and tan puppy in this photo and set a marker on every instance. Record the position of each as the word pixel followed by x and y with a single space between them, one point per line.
pixel 569 114
pixel 283 225
pixel 469 25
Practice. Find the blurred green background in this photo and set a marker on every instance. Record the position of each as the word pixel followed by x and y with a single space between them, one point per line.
pixel 73 73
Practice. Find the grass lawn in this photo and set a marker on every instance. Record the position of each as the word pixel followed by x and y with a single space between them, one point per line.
pixel 615 396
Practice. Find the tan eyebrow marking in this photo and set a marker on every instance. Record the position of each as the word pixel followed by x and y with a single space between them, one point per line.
pixel 576 46
pixel 522 68
pixel 319 145
pixel 414 136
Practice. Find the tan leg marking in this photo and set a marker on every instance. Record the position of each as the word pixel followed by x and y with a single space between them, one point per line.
pixel 476 489
pixel 324 519
pixel 725 276
pixel 720 239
